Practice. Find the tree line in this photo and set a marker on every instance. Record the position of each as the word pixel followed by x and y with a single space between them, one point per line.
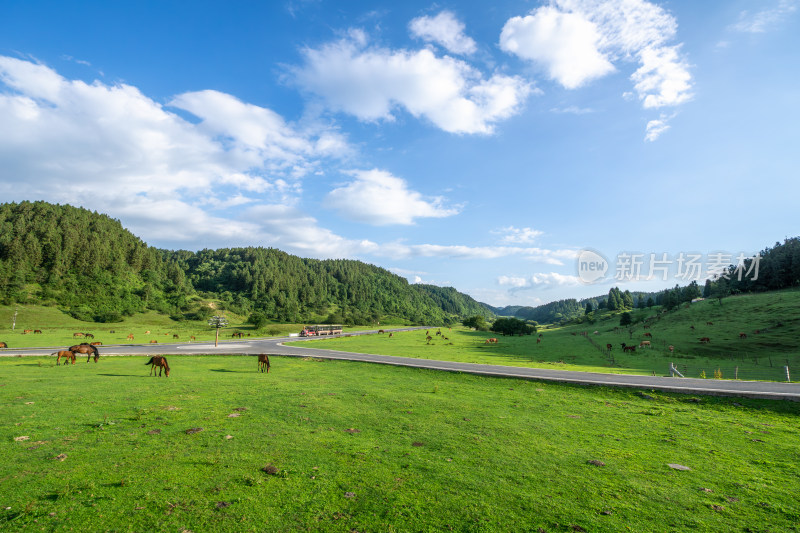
pixel 90 266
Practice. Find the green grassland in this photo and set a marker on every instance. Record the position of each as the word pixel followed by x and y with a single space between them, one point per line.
pixel 760 356
pixel 357 447
pixel 58 328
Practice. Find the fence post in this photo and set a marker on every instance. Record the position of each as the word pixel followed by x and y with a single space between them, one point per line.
pixel 788 379
pixel 736 375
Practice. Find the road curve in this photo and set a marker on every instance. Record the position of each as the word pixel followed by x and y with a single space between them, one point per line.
pixel 745 389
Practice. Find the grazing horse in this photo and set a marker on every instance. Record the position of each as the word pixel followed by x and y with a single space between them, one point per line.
pixel 153 341
pixel 147 332
pixel 263 362
pixel 493 340
pixel 191 338
pixel 175 336
pixel 130 337
pixel 742 335
pixel 27 331
pixel 66 354
pixel 95 343
pixel 88 349
pixel 391 334
pixel 36 331
pixel 538 340
pixel 608 347
pixel 158 361
pixel 644 344
pixel 709 323
pixel 705 340
pixel 77 334
pixel 629 349
pixel 381 331
pixel 671 348
pixel 648 334
pixel 3 345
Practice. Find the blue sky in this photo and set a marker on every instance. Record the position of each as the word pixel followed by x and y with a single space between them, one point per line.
pixel 475 145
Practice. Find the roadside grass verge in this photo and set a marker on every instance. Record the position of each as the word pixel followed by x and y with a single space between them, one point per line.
pixel 341 446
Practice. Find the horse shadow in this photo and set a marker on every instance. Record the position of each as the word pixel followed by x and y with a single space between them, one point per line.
pixel 123 375
pixel 225 370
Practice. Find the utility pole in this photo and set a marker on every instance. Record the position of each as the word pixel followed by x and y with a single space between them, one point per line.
pixel 14 320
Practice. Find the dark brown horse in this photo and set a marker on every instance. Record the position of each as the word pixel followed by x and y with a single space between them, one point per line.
pixel 88 349
pixel 66 354
pixel 3 345
pixel 158 361
pixel 263 362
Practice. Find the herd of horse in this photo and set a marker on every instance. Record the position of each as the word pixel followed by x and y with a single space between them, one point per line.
pixel 157 361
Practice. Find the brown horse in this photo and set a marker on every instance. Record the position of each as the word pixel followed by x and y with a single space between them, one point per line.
pixel 88 349
pixel 158 361
pixel 263 362
pixel 66 354
pixel 3 345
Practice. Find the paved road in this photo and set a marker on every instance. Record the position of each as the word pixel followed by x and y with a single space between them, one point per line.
pixel 747 389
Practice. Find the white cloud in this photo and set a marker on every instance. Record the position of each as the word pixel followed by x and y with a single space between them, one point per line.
pixel 512 281
pixel 566 44
pixel 222 181
pixel 379 198
pixel 663 79
pixel 512 235
pixel 539 280
pixel 372 82
pixel 766 19
pixel 445 30
pixel 577 41
pixel 111 148
pixel 542 255
pixel 656 127
pixel 554 279
pixel 572 110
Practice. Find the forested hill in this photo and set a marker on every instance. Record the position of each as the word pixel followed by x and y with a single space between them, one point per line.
pixel 89 265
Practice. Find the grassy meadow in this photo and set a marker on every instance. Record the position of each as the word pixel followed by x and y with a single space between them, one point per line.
pixel 760 356
pixel 341 446
pixel 58 328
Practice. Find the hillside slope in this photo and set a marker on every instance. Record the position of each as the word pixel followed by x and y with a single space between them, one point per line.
pixel 89 265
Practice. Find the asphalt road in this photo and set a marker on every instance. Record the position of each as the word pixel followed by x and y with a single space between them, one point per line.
pixel 747 389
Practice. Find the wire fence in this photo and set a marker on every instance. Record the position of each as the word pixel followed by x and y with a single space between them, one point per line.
pixel 738 365
pixel 733 371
